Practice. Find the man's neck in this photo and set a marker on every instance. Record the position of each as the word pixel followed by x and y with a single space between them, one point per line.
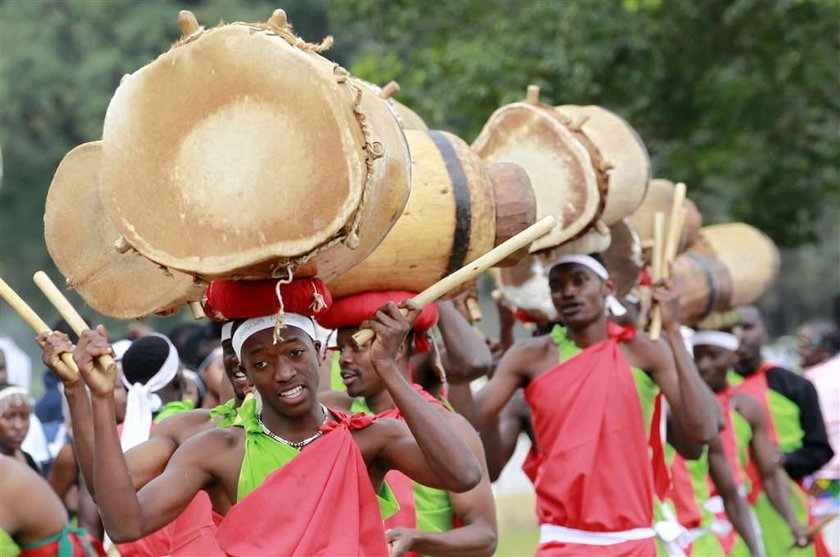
pixel 293 428
pixel 745 368
pixel 589 334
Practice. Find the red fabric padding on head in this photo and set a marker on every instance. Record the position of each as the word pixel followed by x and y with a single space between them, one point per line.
pixel 243 299
pixel 350 311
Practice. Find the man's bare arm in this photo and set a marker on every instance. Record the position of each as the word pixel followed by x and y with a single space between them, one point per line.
pixel 734 504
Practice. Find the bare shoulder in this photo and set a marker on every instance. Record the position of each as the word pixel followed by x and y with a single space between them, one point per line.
pixel 335 399
pixel 530 357
pixel 216 441
pixel 183 425
pixel 645 353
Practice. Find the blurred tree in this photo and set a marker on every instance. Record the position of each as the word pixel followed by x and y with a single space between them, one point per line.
pixel 738 98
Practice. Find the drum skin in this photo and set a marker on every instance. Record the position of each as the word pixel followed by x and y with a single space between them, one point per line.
pixel 80 239
pixel 238 153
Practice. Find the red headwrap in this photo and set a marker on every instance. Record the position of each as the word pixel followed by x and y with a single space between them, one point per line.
pixel 244 299
pixel 350 311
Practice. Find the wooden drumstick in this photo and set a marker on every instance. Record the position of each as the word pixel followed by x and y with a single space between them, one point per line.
pixel 674 230
pixel 197 311
pixel 188 22
pixel 656 270
pixel 32 319
pixel 67 311
pixel 817 527
pixel 472 270
pixel 389 89
pixel 474 309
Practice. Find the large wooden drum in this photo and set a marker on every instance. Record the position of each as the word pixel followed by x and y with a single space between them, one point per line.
pixel 566 180
pixel 459 209
pixel 241 152
pixel 660 198
pixel 730 265
pixel 80 240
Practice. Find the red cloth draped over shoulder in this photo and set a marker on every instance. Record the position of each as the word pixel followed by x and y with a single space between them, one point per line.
pixel 320 503
pixel 595 472
pixel 755 386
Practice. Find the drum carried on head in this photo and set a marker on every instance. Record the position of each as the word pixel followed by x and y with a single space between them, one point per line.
pixel 730 265
pixel 80 240
pixel 459 209
pixel 660 198
pixel 243 153
pixel 587 165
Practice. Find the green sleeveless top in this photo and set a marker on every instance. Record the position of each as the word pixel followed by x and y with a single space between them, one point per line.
pixel 8 547
pixel 174 407
pixel 264 455
pixel 785 415
pixel 433 508
pixel 336 383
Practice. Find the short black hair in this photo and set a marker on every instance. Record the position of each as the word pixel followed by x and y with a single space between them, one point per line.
pixel 144 358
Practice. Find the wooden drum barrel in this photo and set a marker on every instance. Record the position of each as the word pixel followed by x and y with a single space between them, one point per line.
pixel 660 198
pixel 730 265
pixel 241 151
pixel 459 209
pixel 80 240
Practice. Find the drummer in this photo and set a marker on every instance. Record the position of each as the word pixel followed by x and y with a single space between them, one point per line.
pixel 335 509
pixel 597 490
pixel 430 521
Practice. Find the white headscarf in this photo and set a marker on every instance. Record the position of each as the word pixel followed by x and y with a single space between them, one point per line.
pixel 142 401
pixel 257 324
pixel 613 305
pixel 727 341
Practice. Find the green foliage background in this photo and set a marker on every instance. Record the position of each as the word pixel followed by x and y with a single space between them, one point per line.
pixel 740 99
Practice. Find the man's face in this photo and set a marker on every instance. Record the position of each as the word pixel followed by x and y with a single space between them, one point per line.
pixel 286 373
pixel 751 334
pixel 234 371
pixel 809 353
pixel 578 294
pixel 713 362
pixel 357 371
pixel 14 425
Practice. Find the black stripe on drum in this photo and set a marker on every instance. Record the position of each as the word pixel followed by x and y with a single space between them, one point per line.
pixel 461 192
pixel 710 283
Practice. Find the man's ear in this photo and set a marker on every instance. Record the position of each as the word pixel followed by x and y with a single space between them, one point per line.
pixel 317 344
pixel 609 286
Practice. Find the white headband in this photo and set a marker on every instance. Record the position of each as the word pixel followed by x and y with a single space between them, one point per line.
pixel 727 341
pixel 216 353
pixel 142 400
pixel 613 305
pixel 257 324
pixel 226 330
pixel 119 348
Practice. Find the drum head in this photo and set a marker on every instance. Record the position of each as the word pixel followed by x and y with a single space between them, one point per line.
pixel 237 147
pixel 559 166
pixel 80 239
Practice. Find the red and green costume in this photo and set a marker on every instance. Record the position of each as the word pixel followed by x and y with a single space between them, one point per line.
pixel 69 542
pixel 595 482
pixel 421 508
pixel 318 501
pixel 785 431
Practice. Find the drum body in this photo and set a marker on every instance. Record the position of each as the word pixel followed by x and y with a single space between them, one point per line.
pixel 620 150
pixel 660 198
pixel 239 153
pixel 80 240
pixel 731 265
pixel 451 218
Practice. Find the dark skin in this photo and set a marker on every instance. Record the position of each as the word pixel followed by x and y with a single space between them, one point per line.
pixel 714 362
pixel 475 508
pixel 147 460
pixel 14 424
pixel 751 334
pixel 31 510
pixel 286 376
pixel 580 297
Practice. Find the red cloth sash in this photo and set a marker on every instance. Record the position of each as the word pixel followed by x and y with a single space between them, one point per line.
pixel 81 546
pixel 639 548
pixel 595 472
pixel 683 496
pixel 320 503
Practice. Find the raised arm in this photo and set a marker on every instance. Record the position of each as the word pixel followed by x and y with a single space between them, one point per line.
pixel 767 459
pixel 734 504
pixel 690 399
pixel 510 375
pixel 441 448
pixel 477 536
pixel 467 356
pixel 126 514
